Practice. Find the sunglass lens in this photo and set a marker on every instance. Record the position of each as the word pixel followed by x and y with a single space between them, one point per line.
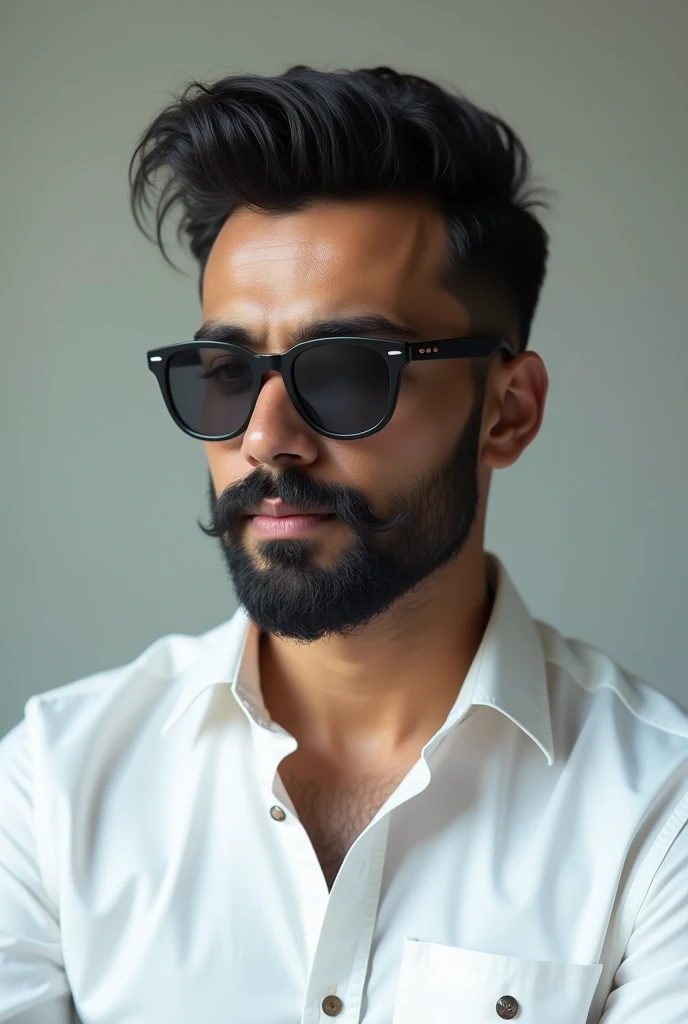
pixel 211 389
pixel 344 386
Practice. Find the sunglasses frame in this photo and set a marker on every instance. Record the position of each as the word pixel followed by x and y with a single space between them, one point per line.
pixel 396 354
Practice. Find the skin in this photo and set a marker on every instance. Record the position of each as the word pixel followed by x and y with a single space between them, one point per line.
pixel 357 699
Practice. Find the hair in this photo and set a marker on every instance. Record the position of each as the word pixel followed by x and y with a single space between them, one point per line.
pixel 279 143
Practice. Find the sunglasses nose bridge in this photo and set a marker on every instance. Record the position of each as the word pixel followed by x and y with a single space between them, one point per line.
pixel 269 363
pixel 269 367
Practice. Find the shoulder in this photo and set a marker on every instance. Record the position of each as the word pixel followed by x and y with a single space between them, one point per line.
pixel 126 698
pixel 78 740
pixel 603 711
pixel 596 674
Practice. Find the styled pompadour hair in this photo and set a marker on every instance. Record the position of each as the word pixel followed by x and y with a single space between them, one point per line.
pixel 277 143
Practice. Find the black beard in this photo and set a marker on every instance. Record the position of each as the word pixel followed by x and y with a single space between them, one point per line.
pixel 292 598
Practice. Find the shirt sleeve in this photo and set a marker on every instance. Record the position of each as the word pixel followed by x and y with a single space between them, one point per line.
pixel 651 983
pixel 33 985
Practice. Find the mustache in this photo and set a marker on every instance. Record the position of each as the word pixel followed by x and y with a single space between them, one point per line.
pixel 294 487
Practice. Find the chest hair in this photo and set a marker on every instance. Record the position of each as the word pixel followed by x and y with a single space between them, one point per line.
pixel 334 809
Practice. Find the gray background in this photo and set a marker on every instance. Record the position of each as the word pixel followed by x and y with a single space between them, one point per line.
pixel 100 553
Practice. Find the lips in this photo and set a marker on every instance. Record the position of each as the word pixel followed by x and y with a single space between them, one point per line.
pixel 279 510
pixel 287 526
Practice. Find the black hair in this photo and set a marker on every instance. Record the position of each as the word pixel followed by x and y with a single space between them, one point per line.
pixel 276 143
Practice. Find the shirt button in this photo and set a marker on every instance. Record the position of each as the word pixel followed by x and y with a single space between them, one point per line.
pixel 277 813
pixel 507 1007
pixel 332 1006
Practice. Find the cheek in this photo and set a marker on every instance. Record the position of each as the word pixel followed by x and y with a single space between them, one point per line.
pixel 429 412
pixel 427 420
pixel 223 468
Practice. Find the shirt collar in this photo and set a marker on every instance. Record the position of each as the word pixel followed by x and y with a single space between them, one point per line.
pixel 508 671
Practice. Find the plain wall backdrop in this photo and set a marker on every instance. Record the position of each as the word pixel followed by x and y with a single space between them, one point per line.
pixel 101 491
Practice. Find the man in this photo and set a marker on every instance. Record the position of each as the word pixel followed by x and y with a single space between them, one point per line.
pixel 381 791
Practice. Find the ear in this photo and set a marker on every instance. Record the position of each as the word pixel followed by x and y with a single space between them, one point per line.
pixel 514 406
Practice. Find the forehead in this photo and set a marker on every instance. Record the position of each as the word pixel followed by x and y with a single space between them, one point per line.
pixel 387 250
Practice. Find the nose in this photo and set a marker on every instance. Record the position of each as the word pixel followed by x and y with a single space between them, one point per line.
pixel 277 435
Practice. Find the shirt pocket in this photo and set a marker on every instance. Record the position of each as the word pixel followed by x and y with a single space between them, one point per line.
pixel 439 984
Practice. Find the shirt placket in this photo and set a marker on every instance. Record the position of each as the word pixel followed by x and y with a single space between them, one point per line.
pixel 339 924
pixel 342 957
pixel 271 744
pixel 340 965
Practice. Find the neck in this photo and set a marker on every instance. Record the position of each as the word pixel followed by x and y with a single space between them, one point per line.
pixel 370 697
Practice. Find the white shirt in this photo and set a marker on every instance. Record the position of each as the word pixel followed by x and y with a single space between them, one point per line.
pixel 533 862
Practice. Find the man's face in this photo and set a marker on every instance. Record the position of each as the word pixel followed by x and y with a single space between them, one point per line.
pixel 272 273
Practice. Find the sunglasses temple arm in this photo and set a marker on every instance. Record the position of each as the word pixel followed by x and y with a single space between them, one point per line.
pixel 458 348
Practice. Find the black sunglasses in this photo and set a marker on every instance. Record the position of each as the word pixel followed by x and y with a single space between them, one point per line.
pixel 344 388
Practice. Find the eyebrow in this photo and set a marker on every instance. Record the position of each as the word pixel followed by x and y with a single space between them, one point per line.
pixel 362 326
